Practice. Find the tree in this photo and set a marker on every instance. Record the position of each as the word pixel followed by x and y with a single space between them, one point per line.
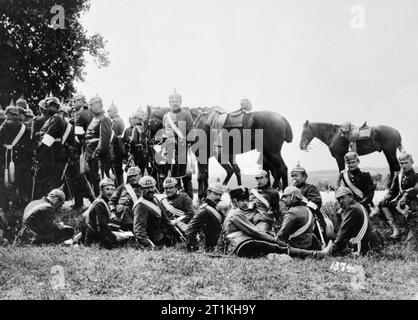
pixel 37 58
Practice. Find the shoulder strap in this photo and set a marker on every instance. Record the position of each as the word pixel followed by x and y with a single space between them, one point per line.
pixel 169 207
pixel 357 240
pixel 260 197
pixel 350 185
pixel 214 212
pixel 17 138
pixel 149 204
pixel 173 126
pixel 305 227
pixel 66 132
pixel 40 206
pixel 131 192
pixel 400 176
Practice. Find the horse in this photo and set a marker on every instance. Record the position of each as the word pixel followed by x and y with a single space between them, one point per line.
pixel 275 131
pixel 382 138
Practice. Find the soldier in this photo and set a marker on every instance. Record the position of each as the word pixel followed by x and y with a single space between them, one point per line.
pixel 177 124
pixel 28 121
pixel 80 120
pixel 152 227
pixel 96 228
pixel 323 228
pixel 208 219
pixel 97 137
pixel 122 200
pixel 265 200
pixel 39 224
pixel 54 151
pixel 178 205
pixel 241 237
pixel 356 233
pixel 15 161
pixel 298 221
pixel 358 181
pixel 39 121
pixel 131 136
pixel 118 126
pixel 402 197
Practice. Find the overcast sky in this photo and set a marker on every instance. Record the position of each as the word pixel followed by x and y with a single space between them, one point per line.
pixel 305 59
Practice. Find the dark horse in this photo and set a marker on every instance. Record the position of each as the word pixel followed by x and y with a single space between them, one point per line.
pixel 276 130
pixel 383 138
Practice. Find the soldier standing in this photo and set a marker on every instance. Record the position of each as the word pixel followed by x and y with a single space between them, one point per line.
pixel 208 219
pixel 402 197
pixel 97 138
pixel 177 124
pixel 358 181
pixel 15 161
pixel 266 201
pixel 55 150
pixel 118 127
pixel 39 221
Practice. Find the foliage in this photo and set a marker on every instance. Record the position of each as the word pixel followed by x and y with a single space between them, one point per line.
pixel 35 58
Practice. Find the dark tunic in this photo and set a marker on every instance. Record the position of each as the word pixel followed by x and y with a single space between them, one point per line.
pixel 361 180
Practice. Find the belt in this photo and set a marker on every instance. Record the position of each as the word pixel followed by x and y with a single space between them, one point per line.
pixel 92 140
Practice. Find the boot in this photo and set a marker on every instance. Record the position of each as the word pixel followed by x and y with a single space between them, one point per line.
pixel 302 253
pixel 396 232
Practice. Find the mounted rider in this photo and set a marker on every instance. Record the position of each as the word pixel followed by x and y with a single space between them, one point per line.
pixel 358 181
pixel 177 124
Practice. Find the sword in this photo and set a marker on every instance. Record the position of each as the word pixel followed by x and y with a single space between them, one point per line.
pixel 33 183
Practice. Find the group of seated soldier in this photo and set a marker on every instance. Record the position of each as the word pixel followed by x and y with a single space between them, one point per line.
pixel 251 223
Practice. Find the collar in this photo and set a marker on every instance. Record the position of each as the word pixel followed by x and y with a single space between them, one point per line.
pixel 173 197
pixel 211 203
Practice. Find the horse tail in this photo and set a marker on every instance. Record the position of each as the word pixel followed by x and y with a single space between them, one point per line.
pixel 289 133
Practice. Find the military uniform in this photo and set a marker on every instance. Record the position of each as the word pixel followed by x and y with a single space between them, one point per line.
pixel 152 227
pixel 118 148
pixel 15 159
pixel 266 202
pixel 209 220
pixel 96 227
pixel 178 207
pixel 97 138
pixel 39 224
pixel 356 232
pixel 363 182
pixel 174 135
pixel 53 153
pixel 121 204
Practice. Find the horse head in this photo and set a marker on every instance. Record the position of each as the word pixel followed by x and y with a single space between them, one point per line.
pixel 307 136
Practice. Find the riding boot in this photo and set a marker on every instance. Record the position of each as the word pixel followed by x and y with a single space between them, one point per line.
pixel 302 253
pixel 396 232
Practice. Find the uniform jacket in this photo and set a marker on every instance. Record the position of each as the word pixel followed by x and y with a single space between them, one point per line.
pixel 352 222
pixel 238 229
pixel 178 115
pixel 122 205
pixel 363 181
pixel 118 127
pixel 204 220
pixel 82 119
pixel 22 150
pixel 182 202
pixel 99 129
pixel 150 225
pixel 294 219
pixel 409 180
pixel 311 192
pixel 272 198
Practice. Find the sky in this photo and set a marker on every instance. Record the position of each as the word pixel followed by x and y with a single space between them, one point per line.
pixel 318 60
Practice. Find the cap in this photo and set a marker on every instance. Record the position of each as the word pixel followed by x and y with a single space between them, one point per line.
pixel 22 103
pixel 240 193
pixel 293 191
pixel 404 156
pixel 106 182
pixel 261 174
pixel 217 188
pixel 246 105
pixel 29 113
pixel 169 182
pixel 14 111
pixel 52 101
pixel 147 181
pixel 351 156
pixel 58 193
pixel 342 191
pixel 133 171
pixel 298 169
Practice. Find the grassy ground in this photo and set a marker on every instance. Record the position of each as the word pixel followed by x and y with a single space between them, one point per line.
pixel 58 272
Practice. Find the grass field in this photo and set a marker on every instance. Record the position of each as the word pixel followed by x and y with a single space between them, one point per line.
pixel 58 272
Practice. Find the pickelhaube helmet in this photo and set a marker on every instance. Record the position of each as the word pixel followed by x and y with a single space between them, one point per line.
pixel 58 193
pixel 174 99
pixel 246 105
pixel 96 99
pixel 12 111
pixel 133 171
pixel 81 97
pixel 22 103
pixel 147 181
pixel 351 156
pixel 299 169
pixel 217 188
pixel 261 174
pixel 293 191
pixel 404 156
pixel 105 182
pixel 169 182
pixel 52 102
pixel 342 191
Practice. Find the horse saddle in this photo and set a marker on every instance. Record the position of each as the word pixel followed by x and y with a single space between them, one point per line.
pixel 219 118
pixel 360 133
